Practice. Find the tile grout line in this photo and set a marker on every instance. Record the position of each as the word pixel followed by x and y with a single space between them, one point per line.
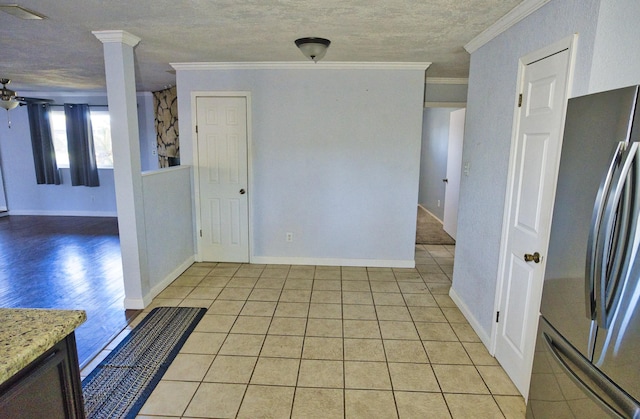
pixel 354 299
pixel 295 389
pixel 384 350
pixel 201 381
pixel 221 345
pixel 344 354
pixel 246 390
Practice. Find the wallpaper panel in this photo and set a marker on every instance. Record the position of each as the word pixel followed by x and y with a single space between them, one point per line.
pixel 166 120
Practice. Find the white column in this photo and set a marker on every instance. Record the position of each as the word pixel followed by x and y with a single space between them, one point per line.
pixel 121 93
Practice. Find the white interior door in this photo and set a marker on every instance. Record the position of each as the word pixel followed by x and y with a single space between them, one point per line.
pixel 221 126
pixel 454 166
pixel 534 168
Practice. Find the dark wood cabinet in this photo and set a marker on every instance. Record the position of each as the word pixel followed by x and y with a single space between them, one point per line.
pixel 49 387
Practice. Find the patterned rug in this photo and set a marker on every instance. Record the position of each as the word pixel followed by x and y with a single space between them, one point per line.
pixel 429 230
pixel 122 382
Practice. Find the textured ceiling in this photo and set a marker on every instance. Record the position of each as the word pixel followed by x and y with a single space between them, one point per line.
pixel 60 52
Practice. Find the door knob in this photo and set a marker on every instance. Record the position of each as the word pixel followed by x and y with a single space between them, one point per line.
pixel 532 257
pixel 242 192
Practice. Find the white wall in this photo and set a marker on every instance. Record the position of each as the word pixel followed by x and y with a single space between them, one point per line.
pixel 168 224
pixel 25 197
pixel 3 196
pixel 433 163
pixel 487 143
pixel 335 154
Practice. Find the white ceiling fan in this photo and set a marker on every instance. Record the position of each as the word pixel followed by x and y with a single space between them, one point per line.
pixel 9 100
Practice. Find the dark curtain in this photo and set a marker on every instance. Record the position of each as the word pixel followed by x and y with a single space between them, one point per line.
pixel 44 155
pixel 82 155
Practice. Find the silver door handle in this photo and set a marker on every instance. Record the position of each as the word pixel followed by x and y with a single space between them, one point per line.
pixel 594 232
pixel 573 362
pixel 612 253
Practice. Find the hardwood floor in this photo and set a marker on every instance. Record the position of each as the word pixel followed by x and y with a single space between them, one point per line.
pixel 66 263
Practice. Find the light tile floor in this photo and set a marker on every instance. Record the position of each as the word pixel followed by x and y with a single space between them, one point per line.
pixel 327 342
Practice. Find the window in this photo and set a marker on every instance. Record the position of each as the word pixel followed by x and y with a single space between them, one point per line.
pixel 101 125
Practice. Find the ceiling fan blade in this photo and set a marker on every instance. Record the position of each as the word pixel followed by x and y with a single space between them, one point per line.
pixel 32 100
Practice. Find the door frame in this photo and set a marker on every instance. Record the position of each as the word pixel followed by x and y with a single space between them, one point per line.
pixel 196 173
pixel 569 43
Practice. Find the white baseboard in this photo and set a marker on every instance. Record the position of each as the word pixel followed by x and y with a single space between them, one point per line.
pixel 139 304
pixel 159 287
pixel 65 213
pixel 475 325
pixel 372 263
pixel 135 303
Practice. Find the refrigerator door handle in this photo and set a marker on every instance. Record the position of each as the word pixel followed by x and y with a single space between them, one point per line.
pixel 593 253
pixel 609 270
pixel 618 403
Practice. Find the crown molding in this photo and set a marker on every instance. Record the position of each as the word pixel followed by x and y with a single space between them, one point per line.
pixel 302 65
pixel 516 14
pixel 447 80
pixel 74 93
pixel 119 36
pixel 445 104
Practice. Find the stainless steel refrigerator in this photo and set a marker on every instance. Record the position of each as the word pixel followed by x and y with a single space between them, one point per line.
pixel 587 358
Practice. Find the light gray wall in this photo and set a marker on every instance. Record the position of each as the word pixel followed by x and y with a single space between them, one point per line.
pixel 168 224
pixel 445 92
pixel 616 56
pixel 336 157
pixel 25 196
pixel 487 143
pixel 147 127
pixel 433 160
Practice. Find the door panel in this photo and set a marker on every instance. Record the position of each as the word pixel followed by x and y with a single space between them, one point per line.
pixel 454 169
pixel 223 177
pixel 235 215
pixel 522 275
pixel 533 162
pixel 536 151
pixel 214 224
pixel 541 93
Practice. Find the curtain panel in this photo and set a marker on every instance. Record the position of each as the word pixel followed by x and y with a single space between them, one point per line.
pixel 82 155
pixel 44 155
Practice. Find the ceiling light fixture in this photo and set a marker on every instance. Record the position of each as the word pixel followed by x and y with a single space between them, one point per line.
pixel 21 12
pixel 8 104
pixel 313 48
pixel 7 96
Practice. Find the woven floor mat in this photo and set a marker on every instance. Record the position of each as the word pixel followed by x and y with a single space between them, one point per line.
pixel 122 382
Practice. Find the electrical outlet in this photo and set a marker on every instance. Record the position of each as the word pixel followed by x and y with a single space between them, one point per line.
pixel 438 203
pixel 289 237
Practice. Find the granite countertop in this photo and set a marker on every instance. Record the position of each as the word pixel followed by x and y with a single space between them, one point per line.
pixel 27 333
